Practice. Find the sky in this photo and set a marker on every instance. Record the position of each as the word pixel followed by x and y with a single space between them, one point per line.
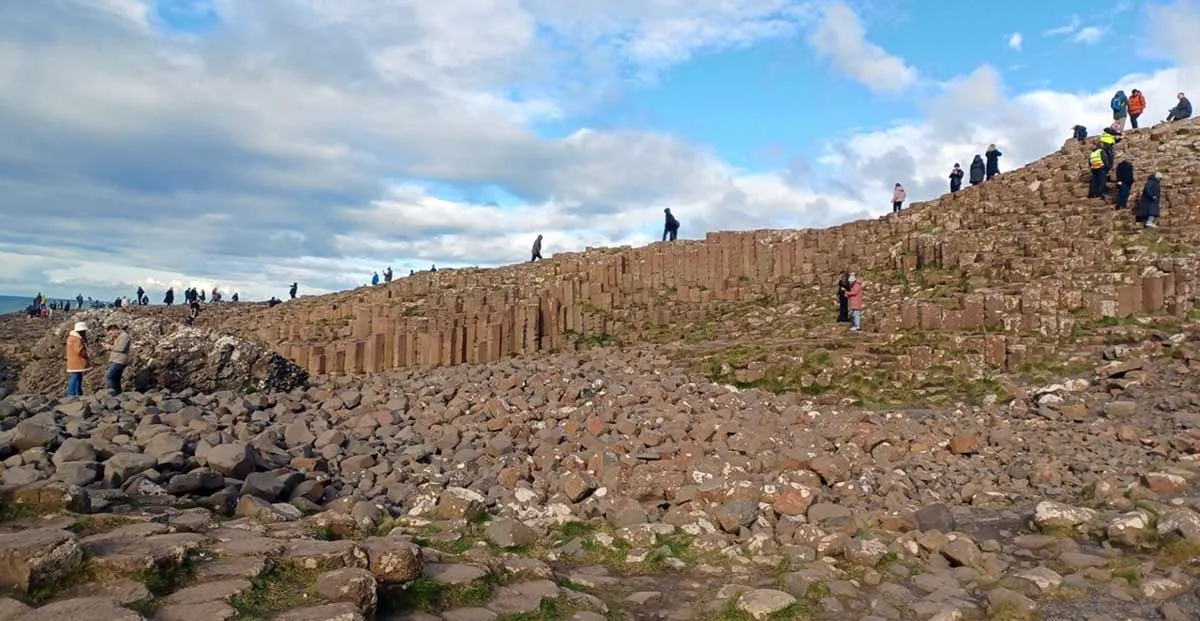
pixel 247 144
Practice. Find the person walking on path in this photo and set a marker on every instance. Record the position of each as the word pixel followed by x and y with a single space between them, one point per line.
pixel 993 161
pixel 536 253
pixel 1182 110
pixel 977 170
pixel 118 358
pixel 1137 105
pixel 956 177
pixel 77 359
pixel 898 196
pixel 670 226
pixel 1148 206
pixel 843 301
pixel 855 295
pixel 1125 183
pixel 1120 110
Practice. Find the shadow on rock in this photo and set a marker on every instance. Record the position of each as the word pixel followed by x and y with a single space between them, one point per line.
pixel 167 355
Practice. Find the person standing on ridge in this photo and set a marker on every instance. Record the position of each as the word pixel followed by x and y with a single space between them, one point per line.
pixel 956 177
pixel 854 295
pixel 977 170
pixel 1098 163
pixel 670 227
pixel 169 298
pixel 292 291
pixel 1125 183
pixel 1137 105
pixel 843 301
pixel 1182 110
pixel 77 359
pixel 993 161
pixel 387 274
pixel 118 358
pixel 898 196
pixel 536 254
pixel 1120 110
pixel 375 279
pixel 1148 205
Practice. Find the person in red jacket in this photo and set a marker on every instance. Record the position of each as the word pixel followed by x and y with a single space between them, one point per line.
pixel 1137 105
pixel 855 297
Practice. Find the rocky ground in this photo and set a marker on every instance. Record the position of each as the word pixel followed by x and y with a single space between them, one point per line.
pixel 605 484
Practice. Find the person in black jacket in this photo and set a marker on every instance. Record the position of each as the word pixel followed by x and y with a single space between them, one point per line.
pixel 956 176
pixel 1181 111
pixel 977 170
pixel 993 161
pixel 843 301
pixel 1125 183
pixel 1080 133
pixel 670 227
pixel 1148 205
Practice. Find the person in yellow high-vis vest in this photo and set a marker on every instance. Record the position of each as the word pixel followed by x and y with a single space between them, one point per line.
pixel 1099 161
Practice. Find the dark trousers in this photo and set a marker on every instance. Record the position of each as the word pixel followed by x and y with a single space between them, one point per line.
pixel 843 309
pixel 1096 187
pixel 1123 195
pixel 955 186
pixel 537 255
pixel 670 234
pixel 896 206
pixel 112 377
pixel 1133 119
pixel 992 173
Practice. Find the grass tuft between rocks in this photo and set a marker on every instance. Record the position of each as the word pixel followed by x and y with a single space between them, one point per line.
pixel 551 609
pixel 426 595
pixel 282 587
pixel 800 611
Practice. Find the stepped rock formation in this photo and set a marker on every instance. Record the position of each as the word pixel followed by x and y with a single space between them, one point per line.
pixel 1009 269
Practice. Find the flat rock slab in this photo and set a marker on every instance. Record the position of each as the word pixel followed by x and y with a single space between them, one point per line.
pixel 233 542
pixel 81 608
pixel 124 591
pixel 469 614
pixel 325 554
pixel 762 603
pixel 36 557
pixel 207 611
pixel 139 553
pixel 453 574
pixel 328 612
pixel 234 567
pixel 208 592
pixel 522 597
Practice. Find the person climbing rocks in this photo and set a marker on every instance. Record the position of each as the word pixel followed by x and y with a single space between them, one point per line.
pixel 1148 205
pixel 670 226
pixel 977 170
pixel 956 177
pixel 77 359
pixel 1182 110
pixel 1080 133
pixel 993 161
pixel 843 301
pixel 292 291
pixel 387 274
pixel 1125 183
pixel 1098 162
pixel 1120 110
pixel 412 272
pixel 536 253
pixel 854 295
pixel 375 278
pixel 1137 105
pixel 898 196
pixel 118 357
pixel 169 298
pixel 194 310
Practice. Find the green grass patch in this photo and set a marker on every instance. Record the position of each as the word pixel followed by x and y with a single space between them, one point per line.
pixel 282 587
pixel 426 595
pixel 11 511
pixel 548 610
pixel 86 525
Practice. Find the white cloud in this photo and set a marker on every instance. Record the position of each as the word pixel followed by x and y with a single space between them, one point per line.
pixel 1066 29
pixel 841 38
pixel 1014 41
pixel 1088 35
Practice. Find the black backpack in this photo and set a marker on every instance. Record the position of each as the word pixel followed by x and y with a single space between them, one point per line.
pixel 1081 133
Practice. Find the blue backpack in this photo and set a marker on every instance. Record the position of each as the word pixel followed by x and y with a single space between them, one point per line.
pixel 1117 104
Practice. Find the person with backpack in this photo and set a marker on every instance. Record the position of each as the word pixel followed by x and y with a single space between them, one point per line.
pixel 956 176
pixel 1120 110
pixel 670 227
pixel 1148 205
pixel 993 161
pixel 977 170
pixel 1080 133
pixel 1137 105
pixel 1125 183
pixel 898 196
